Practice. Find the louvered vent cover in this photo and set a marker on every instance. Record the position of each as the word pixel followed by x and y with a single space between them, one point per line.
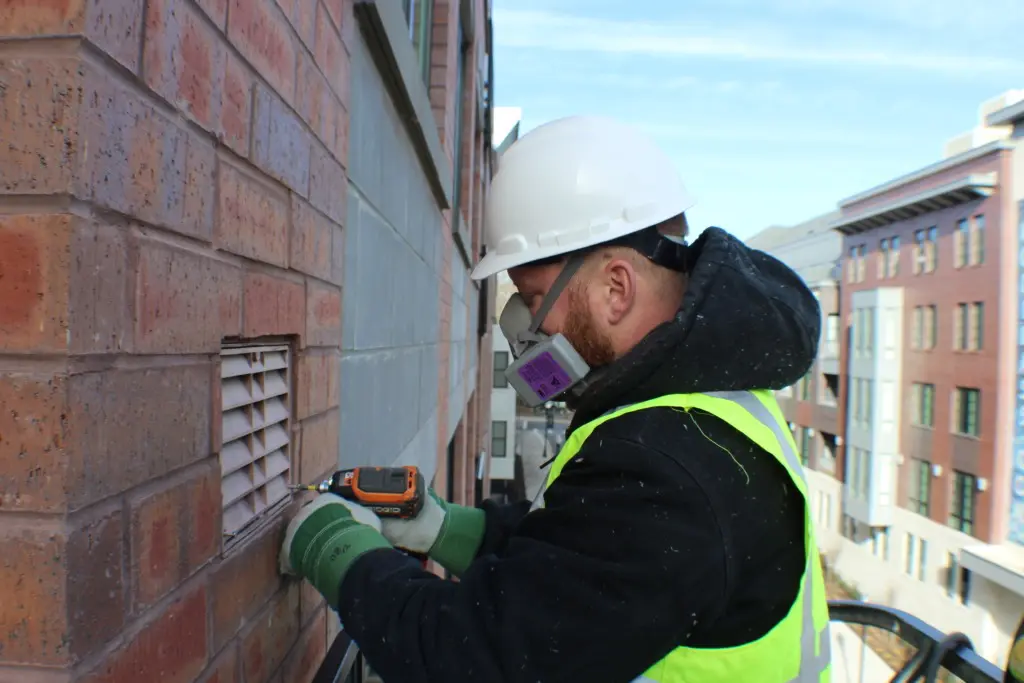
pixel 255 455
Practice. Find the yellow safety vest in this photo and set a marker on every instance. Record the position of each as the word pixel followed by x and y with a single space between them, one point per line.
pixel 797 648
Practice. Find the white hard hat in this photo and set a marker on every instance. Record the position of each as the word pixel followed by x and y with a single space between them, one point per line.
pixel 573 183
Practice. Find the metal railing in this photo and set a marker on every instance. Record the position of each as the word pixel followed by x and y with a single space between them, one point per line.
pixel 343 663
pixel 936 652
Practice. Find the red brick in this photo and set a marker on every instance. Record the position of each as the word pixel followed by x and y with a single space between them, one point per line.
pixel 311 240
pixel 34 266
pixel 317 383
pixel 32 614
pixel 185 302
pixel 302 15
pixel 280 143
pixel 310 601
pixel 174 532
pixel 323 314
pixel 100 311
pixel 335 8
pixel 199 202
pixel 156 547
pixel 203 518
pixel 236 105
pixel 272 305
pixel 32 459
pixel 225 668
pixel 341 128
pixel 217 10
pixel 348 22
pixel 96 587
pixel 308 653
pixel 39 112
pixel 172 649
pixel 253 219
pixel 328 188
pixel 268 641
pixel 184 59
pixel 261 33
pixel 140 161
pixel 114 25
pixel 315 101
pixel 319 445
pixel 331 55
pixel 244 583
pixel 64 285
pixel 127 426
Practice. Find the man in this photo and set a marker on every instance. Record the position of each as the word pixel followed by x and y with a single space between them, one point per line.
pixel 672 542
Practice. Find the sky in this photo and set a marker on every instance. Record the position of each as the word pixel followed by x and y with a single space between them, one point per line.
pixel 773 110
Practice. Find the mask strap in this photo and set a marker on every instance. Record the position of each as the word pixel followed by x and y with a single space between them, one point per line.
pixel 560 283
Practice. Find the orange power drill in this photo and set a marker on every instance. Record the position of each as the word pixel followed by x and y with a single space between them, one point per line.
pixel 388 491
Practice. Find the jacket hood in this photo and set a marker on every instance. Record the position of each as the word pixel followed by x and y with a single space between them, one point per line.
pixel 747 321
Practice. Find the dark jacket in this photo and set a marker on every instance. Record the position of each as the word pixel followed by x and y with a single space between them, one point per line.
pixel 651 538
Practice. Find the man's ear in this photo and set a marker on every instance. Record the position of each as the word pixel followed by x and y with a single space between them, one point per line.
pixel 620 282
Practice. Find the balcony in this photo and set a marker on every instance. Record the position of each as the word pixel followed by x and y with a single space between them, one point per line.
pixel 828 357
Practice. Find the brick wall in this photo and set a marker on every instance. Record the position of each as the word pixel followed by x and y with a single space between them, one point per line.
pixel 172 174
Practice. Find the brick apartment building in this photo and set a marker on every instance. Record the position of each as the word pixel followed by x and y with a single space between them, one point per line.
pixel 228 261
pixel 926 471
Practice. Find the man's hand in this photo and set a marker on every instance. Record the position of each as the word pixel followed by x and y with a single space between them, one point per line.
pixel 450 534
pixel 325 538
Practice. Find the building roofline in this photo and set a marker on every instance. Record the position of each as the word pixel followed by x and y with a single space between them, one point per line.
pixel 1007 115
pixel 959 191
pixel 932 169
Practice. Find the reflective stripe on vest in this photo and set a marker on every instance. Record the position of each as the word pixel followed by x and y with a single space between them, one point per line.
pixel 772 658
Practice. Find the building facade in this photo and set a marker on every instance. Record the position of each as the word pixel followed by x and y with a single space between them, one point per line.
pixel 503 397
pixel 234 254
pixel 811 406
pixel 928 384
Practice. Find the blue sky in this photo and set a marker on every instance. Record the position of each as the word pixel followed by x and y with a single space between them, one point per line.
pixel 773 109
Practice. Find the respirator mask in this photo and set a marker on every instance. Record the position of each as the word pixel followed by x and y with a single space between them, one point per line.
pixel 546 367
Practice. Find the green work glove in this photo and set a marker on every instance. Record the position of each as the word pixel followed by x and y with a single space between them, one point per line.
pixel 450 534
pixel 325 538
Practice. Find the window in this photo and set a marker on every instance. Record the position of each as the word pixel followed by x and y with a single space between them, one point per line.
pixel 863 331
pixel 960 238
pixel 889 257
pixel 919 497
pixel 805 388
pixel 968 326
pixel 500 365
pixel 255 455
pixel 924 328
pixel 805 445
pixel 931 327
pixel 420 15
pixel 960 325
pixel 917 328
pixel 922 408
pixel 963 502
pixel 909 550
pixel 894 256
pixel 966 411
pixel 880 543
pixel 977 241
pixel 858 472
pixel 832 334
pixel 828 389
pixel 976 324
pixel 926 256
pixel 499 432
pixel 922 559
pixel 952 574
pixel 857 266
